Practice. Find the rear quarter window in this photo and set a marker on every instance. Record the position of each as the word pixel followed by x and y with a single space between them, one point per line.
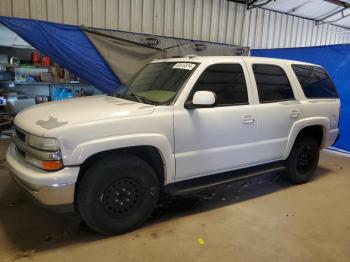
pixel 315 81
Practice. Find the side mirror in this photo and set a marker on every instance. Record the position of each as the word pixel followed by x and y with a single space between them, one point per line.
pixel 201 99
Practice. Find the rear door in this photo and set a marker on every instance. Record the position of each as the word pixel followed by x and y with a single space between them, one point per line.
pixel 277 108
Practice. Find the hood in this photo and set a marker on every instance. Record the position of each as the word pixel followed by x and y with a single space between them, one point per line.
pixel 44 117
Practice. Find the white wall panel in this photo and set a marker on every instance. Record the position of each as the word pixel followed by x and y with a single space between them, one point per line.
pixel 237 12
pixel 197 19
pixel 168 17
pixel 309 32
pixel 283 30
pixel 147 16
pixel 55 11
pixel 223 10
pixel 6 7
pixel 188 19
pixel 158 21
pixel 277 31
pixel 112 14
pixel 136 16
pixel 271 29
pixel 232 16
pixel 38 9
pixel 98 13
pixel 208 20
pixel 20 8
pixel 215 18
pixel 179 10
pixel 70 11
pixel 85 12
pixel 123 15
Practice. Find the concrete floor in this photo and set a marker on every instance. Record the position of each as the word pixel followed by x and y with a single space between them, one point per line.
pixel 267 220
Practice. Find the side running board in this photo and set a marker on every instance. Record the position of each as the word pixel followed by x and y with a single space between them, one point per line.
pixel 196 185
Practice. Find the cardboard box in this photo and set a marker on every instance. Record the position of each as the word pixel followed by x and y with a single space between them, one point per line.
pixel 45 77
pixel 53 70
pixel 66 74
pixel 57 71
pixel 60 72
pixel 55 79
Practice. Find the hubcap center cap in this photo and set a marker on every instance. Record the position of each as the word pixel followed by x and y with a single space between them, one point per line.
pixel 121 196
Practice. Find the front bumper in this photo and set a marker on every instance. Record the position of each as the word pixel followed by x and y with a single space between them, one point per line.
pixel 54 190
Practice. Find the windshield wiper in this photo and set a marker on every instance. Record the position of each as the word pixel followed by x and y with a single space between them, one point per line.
pixel 140 99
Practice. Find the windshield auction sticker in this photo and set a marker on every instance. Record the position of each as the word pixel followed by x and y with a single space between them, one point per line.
pixel 186 66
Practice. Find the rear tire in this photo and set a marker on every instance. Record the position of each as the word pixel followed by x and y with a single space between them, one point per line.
pixel 303 160
pixel 117 194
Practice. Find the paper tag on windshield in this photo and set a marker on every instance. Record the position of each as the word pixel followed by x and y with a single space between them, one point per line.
pixel 186 66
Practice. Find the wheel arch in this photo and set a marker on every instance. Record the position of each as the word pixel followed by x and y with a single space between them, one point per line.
pixel 149 154
pixel 317 129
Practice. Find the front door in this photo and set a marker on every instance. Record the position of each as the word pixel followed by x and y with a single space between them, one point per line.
pixel 219 138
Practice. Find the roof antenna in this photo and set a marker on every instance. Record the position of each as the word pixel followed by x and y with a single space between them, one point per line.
pixel 191 55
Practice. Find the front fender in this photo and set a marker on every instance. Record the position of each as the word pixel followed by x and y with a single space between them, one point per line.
pixel 303 123
pixel 89 148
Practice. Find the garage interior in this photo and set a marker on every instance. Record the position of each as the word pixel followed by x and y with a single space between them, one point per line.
pixel 262 219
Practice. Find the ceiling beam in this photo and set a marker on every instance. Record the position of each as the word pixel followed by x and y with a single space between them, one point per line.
pixel 322 19
pixel 252 5
pixel 294 9
pixel 343 6
pixel 338 3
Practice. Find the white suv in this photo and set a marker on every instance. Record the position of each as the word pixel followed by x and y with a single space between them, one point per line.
pixel 180 126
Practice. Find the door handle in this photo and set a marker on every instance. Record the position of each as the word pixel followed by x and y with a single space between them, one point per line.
pixel 294 114
pixel 248 119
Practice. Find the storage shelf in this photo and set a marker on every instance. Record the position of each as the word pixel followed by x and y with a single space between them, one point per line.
pixel 44 83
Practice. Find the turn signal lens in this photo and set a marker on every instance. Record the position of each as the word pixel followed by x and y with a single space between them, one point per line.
pixel 49 165
pixel 52 165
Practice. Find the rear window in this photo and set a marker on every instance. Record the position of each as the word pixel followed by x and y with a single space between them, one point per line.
pixel 315 81
pixel 272 83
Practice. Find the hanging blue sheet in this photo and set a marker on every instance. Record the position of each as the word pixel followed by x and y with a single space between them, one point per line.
pixel 336 60
pixel 69 47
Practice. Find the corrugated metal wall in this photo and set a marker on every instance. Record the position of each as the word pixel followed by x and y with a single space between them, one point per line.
pixel 208 20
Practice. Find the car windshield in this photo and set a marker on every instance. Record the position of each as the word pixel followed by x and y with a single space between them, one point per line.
pixel 158 83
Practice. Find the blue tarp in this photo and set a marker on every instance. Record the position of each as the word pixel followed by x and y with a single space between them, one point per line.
pixel 336 60
pixel 69 47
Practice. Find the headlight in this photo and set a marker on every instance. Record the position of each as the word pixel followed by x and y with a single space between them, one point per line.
pixel 43 143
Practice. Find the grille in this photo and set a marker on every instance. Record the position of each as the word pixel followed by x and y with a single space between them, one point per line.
pixel 21 135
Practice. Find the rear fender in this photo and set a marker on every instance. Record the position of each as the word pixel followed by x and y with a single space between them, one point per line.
pixel 300 125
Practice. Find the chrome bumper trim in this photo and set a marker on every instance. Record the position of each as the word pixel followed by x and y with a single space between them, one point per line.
pixel 59 197
pixel 54 190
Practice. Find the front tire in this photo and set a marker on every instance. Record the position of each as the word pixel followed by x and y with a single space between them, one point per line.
pixel 303 160
pixel 117 194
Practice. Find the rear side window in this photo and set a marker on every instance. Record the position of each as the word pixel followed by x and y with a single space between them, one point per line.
pixel 315 81
pixel 227 81
pixel 272 83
